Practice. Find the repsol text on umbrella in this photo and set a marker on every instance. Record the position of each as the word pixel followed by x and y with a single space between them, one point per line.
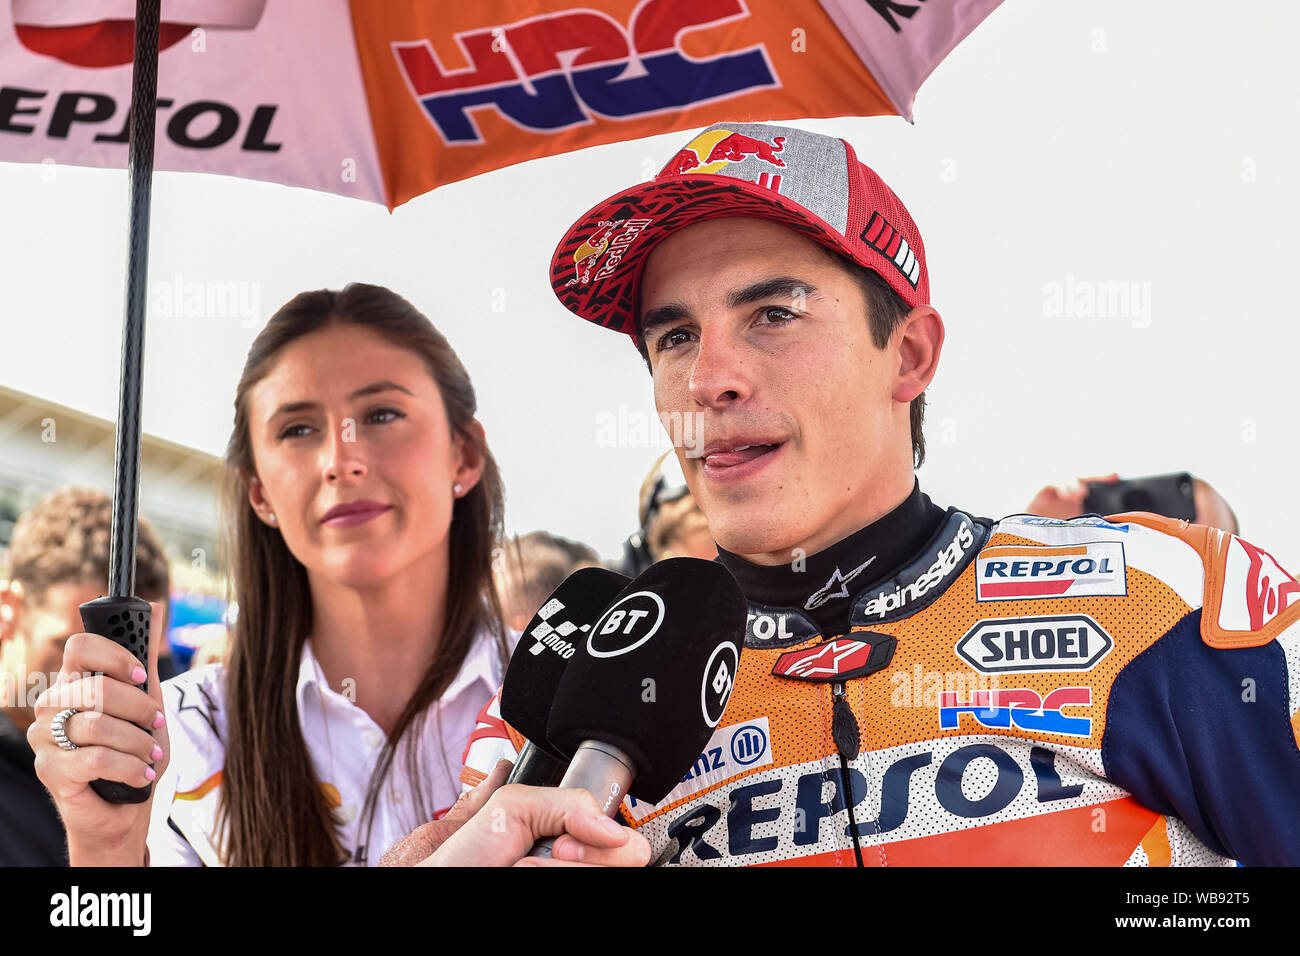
pixel 203 124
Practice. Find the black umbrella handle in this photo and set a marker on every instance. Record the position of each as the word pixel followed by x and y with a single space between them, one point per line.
pixel 124 621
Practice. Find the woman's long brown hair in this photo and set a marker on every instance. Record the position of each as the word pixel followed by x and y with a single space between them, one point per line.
pixel 272 811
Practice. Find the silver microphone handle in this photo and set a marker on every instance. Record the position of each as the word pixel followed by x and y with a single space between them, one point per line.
pixel 602 770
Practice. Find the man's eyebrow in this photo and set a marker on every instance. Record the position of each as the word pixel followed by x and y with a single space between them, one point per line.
pixel 662 315
pixel 289 408
pixel 778 287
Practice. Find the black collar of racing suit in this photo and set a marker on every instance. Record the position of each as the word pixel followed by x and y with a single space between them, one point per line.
pixel 888 570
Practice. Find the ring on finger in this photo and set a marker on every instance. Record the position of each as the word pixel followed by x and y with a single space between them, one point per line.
pixel 61 735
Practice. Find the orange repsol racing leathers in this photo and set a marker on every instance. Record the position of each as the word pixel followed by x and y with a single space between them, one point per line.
pixel 944 689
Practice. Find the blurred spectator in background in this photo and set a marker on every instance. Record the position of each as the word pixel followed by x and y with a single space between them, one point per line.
pixel 59 561
pixel 1213 509
pixel 672 524
pixel 532 566
pixel 214 645
pixel 1067 501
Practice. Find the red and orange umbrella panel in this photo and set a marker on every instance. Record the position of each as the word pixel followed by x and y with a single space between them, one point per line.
pixel 386 101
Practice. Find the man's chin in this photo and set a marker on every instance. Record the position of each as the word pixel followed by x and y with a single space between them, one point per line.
pixel 761 532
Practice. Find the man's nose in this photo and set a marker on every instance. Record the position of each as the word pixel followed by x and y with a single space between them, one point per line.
pixel 343 453
pixel 719 374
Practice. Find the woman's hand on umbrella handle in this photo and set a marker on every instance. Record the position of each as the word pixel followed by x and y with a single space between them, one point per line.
pixel 98 681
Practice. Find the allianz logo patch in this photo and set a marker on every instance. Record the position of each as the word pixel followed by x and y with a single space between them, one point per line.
pixel 1031 573
pixel 1023 645
pixel 731 750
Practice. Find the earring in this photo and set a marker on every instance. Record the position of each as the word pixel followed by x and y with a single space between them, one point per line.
pixel 456 488
pixel 271 518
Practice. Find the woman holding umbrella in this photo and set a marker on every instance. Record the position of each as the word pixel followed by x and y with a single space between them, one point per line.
pixel 362 506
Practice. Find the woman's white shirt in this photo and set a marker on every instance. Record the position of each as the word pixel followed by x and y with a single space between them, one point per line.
pixel 344 744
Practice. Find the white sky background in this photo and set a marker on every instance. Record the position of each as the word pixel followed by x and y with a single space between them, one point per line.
pixel 1151 143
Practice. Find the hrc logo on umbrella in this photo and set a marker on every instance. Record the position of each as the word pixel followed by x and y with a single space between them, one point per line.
pixel 567 69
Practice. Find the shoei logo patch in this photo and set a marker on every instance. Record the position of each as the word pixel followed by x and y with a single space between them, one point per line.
pixel 627 625
pixel 1003 707
pixel 1023 573
pixel 733 749
pixel 1023 645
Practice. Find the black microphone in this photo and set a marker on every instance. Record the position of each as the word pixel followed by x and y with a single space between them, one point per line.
pixel 550 641
pixel 638 707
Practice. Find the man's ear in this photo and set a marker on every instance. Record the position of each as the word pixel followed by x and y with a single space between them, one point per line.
pixel 920 340
pixel 473 458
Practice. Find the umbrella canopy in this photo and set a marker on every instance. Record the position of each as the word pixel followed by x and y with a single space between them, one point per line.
pixel 386 101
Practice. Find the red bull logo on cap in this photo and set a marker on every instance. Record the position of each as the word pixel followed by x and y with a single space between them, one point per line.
pixel 606 239
pixel 715 149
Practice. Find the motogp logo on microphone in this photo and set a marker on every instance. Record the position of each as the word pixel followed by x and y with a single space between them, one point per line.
pixel 626 625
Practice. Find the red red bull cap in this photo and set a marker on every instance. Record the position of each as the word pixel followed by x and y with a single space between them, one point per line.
pixel 808 182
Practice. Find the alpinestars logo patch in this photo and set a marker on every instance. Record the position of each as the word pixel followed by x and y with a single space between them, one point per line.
pixel 824 593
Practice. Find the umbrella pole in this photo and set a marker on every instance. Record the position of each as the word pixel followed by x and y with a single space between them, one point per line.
pixel 120 615
pixel 126 486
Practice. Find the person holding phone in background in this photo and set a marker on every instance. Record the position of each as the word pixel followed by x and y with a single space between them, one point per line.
pixel 1174 496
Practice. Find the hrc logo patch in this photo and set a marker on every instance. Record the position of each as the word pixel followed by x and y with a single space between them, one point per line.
pixel 1002 707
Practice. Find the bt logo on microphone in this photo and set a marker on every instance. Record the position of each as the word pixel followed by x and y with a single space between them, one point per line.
pixel 626 625
pixel 719 679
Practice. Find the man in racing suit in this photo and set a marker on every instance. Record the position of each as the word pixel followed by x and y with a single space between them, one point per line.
pixel 919 686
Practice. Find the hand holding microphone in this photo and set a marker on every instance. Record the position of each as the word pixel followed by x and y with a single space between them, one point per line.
pixel 495 825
